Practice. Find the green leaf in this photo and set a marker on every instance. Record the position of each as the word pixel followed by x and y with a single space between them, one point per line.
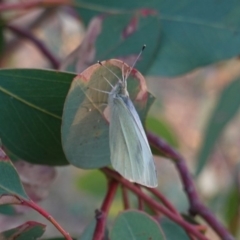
pixel 29 230
pixel 111 43
pixel 135 225
pixel 194 33
pixel 57 238
pixel 7 210
pixel 231 209
pixel 119 36
pixel 31 103
pixel 162 129
pixel 85 132
pixel 172 231
pixel 10 184
pixel 232 204
pixel 88 181
pixel 227 107
pixel 89 231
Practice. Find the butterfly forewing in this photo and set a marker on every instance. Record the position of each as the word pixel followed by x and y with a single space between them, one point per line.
pixel 130 152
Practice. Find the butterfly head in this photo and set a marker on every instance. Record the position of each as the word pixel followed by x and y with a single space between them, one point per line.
pixel 121 87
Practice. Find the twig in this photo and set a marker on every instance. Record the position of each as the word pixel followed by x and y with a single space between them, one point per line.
pixel 187 226
pixel 101 215
pixel 125 197
pixel 196 206
pixel 140 201
pixel 31 204
pixel 165 202
pixel 28 35
pixel 45 214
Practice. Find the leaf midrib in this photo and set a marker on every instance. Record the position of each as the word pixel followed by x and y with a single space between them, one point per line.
pixel 28 103
pixel 179 18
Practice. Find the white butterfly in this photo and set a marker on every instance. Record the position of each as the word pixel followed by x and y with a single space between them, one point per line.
pixel 131 155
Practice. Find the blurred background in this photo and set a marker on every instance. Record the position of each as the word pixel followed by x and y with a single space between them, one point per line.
pixel 181 114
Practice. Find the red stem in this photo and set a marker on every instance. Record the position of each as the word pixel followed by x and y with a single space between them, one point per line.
pixel 167 204
pixel 164 201
pixel 188 227
pixel 140 201
pixel 31 204
pixel 45 214
pixel 125 197
pixel 101 215
pixel 196 206
pixel 39 44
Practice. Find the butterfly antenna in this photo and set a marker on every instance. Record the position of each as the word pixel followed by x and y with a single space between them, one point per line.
pixel 109 70
pixel 143 47
pixel 108 81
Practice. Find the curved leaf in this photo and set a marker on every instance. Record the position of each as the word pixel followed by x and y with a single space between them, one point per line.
pixel 85 127
pixel 136 225
pixel 7 210
pixel 119 36
pixel 173 231
pixel 58 238
pixel 230 209
pixel 161 128
pixel 87 183
pixel 10 184
pixel 31 103
pixel 227 106
pixel 194 33
pixel 29 230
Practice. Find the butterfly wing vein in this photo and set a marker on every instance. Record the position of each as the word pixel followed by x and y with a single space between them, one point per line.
pixel 130 152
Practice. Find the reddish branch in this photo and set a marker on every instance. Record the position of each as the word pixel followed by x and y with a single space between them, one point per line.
pixel 164 201
pixel 45 214
pixel 154 204
pixel 196 206
pixel 140 201
pixel 31 204
pixel 167 204
pixel 39 44
pixel 125 197
pixel 101 215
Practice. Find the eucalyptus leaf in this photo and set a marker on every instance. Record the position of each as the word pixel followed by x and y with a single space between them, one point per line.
pixel 31 104
pixel 134 225
pixel 162 128
pixel 193 33
pixel 226 108
pixel 173 231
pixel 10 184
pixel 120 36
pixel 29 230
pixel 87 183
pixel 230 209
pixel 85 131
pixel 7 210
pixel 57 238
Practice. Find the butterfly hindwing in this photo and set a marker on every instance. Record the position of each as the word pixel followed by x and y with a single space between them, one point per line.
pixel 130 152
